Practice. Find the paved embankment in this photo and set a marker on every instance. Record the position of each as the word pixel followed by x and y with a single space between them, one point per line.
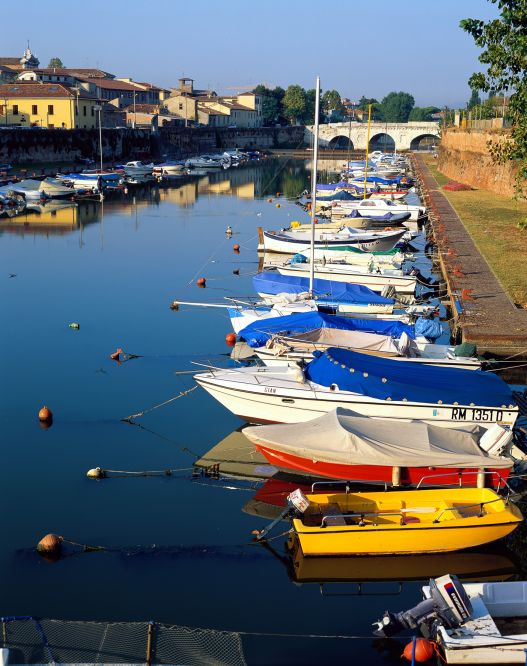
pixel 482 309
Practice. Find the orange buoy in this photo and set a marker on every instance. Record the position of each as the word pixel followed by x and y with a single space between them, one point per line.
pixel 424 650
pixel 278 205
pixel 116 353
pixel 278 194
pixel 201 282
pixel 50 544
pixel 236 247
pixel 45 415
pixel 174 305
pixel 269 201
pixel 230 339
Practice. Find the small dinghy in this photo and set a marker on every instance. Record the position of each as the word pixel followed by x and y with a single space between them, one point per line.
pixel 400 522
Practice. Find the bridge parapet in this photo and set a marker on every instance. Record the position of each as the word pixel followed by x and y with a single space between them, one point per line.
pixel 402 134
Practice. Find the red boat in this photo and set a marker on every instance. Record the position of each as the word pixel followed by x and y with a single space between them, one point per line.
pixel 341 445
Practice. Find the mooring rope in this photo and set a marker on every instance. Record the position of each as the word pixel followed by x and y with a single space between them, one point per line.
pixel 161 404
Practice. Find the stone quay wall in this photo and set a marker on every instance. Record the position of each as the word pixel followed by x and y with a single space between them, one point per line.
pixel 464 156
pixel 67 146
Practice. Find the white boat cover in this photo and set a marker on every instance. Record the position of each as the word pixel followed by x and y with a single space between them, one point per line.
pixel 321 338
pixel 342 437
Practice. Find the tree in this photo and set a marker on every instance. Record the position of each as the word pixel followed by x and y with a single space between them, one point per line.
pixel 475 99
pixel 331 103
pixel 364 101
pixel 423 113
pixel 309 113
pixel 504 41
pixel 294 103
pixel 271 103
pixel 55 63
pixel 396 107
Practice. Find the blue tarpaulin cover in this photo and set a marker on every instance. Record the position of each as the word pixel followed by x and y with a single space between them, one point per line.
pixel 341 195
pixel 383 378
pixel 429 328
pixel 257 333
pixel 324 290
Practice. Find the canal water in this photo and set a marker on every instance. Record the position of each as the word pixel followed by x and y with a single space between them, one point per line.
pixel 178 548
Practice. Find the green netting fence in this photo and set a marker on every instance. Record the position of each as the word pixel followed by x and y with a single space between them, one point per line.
pixel 43 641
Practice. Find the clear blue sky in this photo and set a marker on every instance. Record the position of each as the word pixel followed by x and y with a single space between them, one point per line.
pixel 357 47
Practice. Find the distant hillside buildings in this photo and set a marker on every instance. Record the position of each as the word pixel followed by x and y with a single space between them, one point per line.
pixel 70 98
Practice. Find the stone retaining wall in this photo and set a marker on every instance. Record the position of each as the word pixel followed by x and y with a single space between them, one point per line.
pixel 32 146
pixel 464 156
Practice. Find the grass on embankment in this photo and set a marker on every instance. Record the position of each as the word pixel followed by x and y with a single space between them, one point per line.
pixel 492 221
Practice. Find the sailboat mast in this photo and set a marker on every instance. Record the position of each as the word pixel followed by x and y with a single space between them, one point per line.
pixel 314 190
pixel 367 152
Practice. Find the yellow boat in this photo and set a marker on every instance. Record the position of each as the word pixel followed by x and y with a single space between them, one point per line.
pixel 401 522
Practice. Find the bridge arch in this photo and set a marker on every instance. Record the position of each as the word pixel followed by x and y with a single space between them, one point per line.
pixel 341 142
pixel 424 142
pixel 382 141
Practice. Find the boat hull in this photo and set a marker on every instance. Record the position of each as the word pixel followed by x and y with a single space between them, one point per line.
pixel 404 284
pixel 368 243
pixel 267 401
pixel 410 476
pixel 361 541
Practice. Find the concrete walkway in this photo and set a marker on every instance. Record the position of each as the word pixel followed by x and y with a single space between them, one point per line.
pixel 481 307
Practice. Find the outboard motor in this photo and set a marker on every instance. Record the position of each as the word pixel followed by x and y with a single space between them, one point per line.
pixel 448 603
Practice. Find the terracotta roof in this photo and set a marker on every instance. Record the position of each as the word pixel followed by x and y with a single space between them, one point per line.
pixel 211 112
pixel 143 108
pixel 9 61
pixel 150 86
pixel 112 84
pixel 229 105
pixel 32 89
pixel 67 71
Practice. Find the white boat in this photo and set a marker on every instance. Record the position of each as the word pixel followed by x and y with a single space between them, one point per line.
pixel 495 633
pixel 169 168
pixel 243 315
pixel 208 162
pixel 375 207
pixel 138 167
pixel 376 277
pixel 281 350
pixel 354 256
pixel 288 242
pixel 34 190
pixel 291 395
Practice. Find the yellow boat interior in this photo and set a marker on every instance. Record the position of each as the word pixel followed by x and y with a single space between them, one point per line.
pixel 405 508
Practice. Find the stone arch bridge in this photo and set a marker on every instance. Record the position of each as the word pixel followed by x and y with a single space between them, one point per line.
pixel 398 136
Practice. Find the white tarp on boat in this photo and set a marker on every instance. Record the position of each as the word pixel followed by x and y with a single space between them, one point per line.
pixel 341 437
pixel 321 338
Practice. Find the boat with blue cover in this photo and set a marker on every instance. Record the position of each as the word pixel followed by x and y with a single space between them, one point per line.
pixel 294 339
pixel 368 385
pixel 337 296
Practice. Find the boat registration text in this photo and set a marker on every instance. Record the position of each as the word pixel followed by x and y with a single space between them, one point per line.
pixel 475 414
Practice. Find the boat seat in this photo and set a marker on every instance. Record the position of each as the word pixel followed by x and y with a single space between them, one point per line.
pixel 314 513
pixel 453 514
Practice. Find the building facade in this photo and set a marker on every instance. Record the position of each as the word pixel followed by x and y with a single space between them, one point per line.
pixel 48 105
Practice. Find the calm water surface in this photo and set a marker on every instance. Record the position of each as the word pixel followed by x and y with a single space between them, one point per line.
pixel 180 548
